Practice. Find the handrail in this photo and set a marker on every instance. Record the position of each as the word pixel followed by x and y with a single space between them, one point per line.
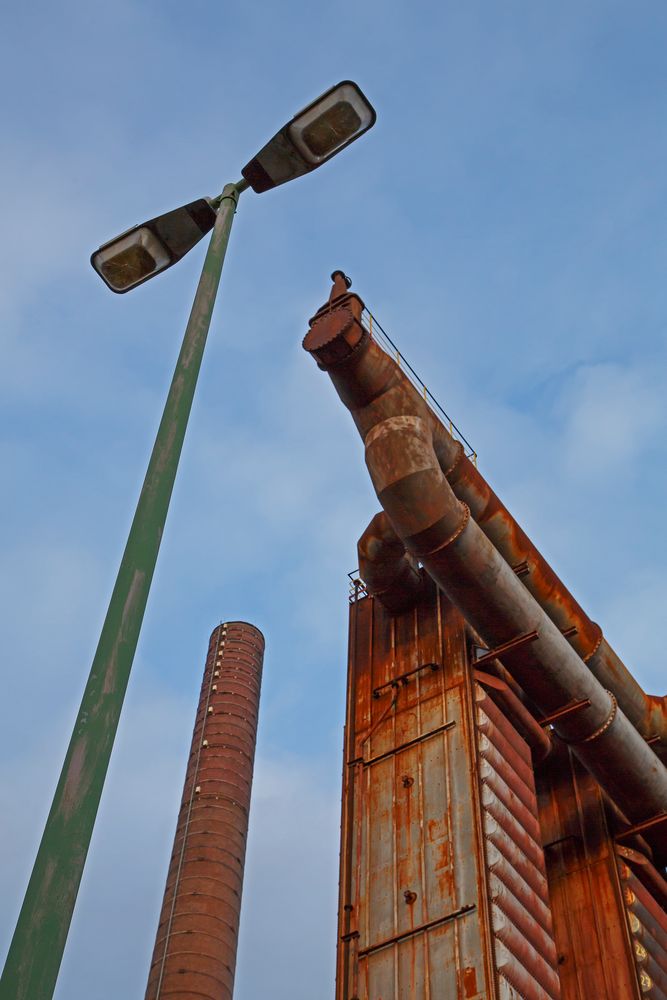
pixel 382 338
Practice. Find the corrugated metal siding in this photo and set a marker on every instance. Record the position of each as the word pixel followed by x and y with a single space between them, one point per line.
pixel 524 949
pixel 647 922
pixel 412 903
pixel 592 940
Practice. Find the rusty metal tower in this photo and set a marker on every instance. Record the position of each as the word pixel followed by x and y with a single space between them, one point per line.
pixel 504 828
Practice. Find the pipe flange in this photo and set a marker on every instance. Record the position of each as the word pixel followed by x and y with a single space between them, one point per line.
pixel 589 656
pixel 331 365
pixel 605 725
pixel 457 460
pixel 454 535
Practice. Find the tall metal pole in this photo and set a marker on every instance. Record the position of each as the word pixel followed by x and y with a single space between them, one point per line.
pixel 35 954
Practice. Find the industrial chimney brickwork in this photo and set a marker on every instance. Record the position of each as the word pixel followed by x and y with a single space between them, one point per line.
pixel 195 948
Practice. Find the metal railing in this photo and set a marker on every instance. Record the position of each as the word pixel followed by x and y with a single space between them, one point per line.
pixel 382 338
pixel 357 587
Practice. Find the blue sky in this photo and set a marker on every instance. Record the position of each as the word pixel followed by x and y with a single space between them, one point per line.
pixel 506 220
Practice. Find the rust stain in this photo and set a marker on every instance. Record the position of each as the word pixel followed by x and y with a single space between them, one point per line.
pixel 76 780
pixel 133 597
pixel 469 981
pixel 443 857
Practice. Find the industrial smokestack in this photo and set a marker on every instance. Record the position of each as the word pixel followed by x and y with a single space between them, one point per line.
pixel 195 948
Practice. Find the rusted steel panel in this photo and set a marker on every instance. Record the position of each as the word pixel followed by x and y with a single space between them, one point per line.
pixel 592 940
pixel 441 852
pixel 195 948
pixel 410 920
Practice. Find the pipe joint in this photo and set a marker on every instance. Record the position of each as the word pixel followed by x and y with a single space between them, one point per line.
pixel 430 541
pixel 460 455
pixel 601 729
pixel 398 447
pixel 589 656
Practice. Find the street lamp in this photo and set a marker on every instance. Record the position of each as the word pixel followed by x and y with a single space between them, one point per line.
pixel 313 136
pixel 145 250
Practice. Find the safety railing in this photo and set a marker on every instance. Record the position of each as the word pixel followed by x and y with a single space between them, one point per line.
pixel 382 338
pixel 357 587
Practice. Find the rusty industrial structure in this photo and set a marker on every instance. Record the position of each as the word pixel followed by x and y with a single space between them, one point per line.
pixel 504 821
pixel 195 948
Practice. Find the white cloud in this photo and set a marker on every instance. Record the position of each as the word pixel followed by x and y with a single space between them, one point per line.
pixel 635 614
pixel 612 415
pixel 290 895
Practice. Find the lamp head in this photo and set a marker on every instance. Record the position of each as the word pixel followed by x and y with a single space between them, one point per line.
pixel 313 136
pixel 152 247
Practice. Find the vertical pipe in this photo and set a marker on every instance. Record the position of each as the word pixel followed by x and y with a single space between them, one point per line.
pixel 36 951
pixel 195 947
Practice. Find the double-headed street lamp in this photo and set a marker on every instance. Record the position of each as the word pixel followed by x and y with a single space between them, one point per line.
pixel 311 138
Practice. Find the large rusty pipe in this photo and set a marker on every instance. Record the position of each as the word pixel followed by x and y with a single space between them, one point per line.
pixel 195 947
pixel 397 429
pixel 388 570
pixel 648 713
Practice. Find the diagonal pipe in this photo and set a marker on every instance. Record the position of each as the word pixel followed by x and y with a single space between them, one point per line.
pixel 648 713
pixel 401 446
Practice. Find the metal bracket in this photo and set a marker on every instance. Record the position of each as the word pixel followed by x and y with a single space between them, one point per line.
pixel 648 824
pixel 403 678
pixel 506 647
pixel 404 746
pixel 461 912
pixel 560 713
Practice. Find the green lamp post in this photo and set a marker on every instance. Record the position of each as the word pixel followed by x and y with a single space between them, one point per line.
pixel 313 136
